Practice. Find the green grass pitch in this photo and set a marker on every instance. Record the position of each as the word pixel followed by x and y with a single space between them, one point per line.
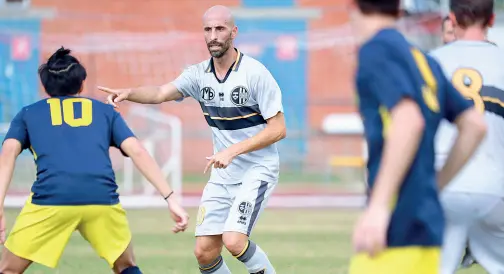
pixel 297 241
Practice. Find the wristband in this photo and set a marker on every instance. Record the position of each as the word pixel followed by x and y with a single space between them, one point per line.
pixel 166 198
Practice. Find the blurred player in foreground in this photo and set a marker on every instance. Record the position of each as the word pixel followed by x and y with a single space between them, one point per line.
pixel 403 95
pixel 69 137
pixel 448 35
pixel 242 104
pixel 473 200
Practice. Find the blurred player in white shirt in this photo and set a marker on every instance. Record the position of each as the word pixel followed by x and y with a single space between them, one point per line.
pixel 448 36
pixel 447 32
pixel 473 201
pixel 242 103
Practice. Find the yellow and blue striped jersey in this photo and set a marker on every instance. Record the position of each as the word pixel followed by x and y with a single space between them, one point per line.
pixel 70 138
pixel 389 70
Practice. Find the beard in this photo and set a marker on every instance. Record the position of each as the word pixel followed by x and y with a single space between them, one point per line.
pixel 219 52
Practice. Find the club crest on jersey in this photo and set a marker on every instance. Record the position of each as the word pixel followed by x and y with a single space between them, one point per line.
pixel 207 94
pixel 240 96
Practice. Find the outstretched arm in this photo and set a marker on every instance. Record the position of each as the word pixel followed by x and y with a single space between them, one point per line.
pixel 10 150
pixel 184 86
pixel 143 95
pixel 147 166
pixel 151 170
pixel 15 141
pixel 123 138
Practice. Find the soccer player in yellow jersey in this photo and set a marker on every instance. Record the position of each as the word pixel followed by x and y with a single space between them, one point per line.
pixel 403 96
pixel 69 137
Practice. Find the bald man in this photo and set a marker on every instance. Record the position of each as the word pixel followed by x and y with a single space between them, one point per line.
pixel 242 104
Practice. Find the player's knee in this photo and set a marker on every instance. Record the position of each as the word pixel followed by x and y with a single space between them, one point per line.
pixel 4 270
pixel 235 242
pixel 206 253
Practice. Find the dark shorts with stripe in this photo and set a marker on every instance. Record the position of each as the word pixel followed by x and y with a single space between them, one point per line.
pixel 232 207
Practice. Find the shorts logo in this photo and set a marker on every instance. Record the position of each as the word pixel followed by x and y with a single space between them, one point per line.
pixel 207 94
pixel 240 96
pixel 201 216
pixel 245 208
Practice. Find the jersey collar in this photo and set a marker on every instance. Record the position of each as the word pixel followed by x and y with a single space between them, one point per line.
pixel 475 42
pixel 233 67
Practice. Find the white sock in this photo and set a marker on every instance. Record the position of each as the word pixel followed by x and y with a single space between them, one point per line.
pixel 218 266
pixel 256 260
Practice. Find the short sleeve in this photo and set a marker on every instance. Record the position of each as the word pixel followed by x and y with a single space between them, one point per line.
pixel 456 104
pixel 18 130
pixel 268 95
pixel 186 83
pixel 386 76
pixel 120 131
pixel 390 83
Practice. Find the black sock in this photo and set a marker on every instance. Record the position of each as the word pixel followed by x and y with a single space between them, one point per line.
pixel 132 270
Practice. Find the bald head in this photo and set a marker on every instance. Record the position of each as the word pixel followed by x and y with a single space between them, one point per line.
pixel 220 14
pixel 220 30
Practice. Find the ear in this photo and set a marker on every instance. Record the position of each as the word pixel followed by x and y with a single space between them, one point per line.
pixel 234 32
pixel 453 18
pixel 81 88
pixel 351 4
pixel 492 21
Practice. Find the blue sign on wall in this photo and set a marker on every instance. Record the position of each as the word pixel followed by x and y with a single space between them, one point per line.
pixel 276 44
pixel 267 3
pixel 19 60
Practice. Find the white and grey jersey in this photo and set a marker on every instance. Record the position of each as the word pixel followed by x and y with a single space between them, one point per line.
pixel 236 108
pixel 476 69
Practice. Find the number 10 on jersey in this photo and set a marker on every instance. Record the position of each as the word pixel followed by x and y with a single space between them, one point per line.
pixel 67 113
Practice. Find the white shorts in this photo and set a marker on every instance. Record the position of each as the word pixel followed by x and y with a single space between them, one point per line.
pixel 479 220
pixel 232 207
